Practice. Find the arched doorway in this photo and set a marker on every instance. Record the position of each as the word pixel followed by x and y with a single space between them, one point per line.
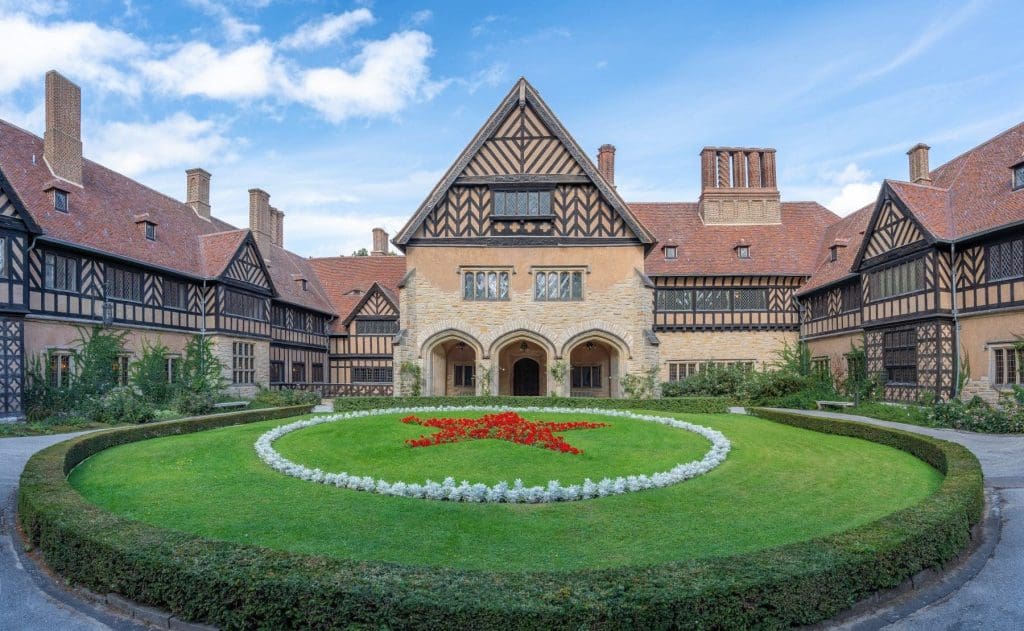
pixel 594 369
pixel 526 378
pixel 522 368
pixel 452 368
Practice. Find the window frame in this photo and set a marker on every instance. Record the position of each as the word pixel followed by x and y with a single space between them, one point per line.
pixel 592 373
pixel 182 291
pixel 243 363
pixel 126 274
pixel 122 368
pixel 360 322
pixel 255 301
pixel 571 274
pixel 298 370
pixel 1006 358
pixel 50 278
pixel 905 352
pixel 542 193
pixel 481 292
pixel 373 372
pixel 150 230
pixel 460 371
pixel 683 369
pixel 743 251
pixel 63 360
pixel 316 372
pixel 994 250
pixel 3 255
pixel 885 283
pixel 277 370
pixel 671 252
pixel 61 206
pixel 172 364
pixel 1017 176
pixel 748 290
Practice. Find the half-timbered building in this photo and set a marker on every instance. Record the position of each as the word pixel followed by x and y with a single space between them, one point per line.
pixel 524 272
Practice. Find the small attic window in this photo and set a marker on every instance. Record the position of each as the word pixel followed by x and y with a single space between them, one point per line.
pixel 150 230
pixel 1018 176
pixel 671 252
pixel 305 285
pixel 833 253
pixel 743 251
pixel 60 200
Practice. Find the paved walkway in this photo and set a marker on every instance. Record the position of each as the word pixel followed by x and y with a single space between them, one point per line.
pixel 993 599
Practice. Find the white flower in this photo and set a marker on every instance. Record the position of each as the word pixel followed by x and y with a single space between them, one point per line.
pixel 467 491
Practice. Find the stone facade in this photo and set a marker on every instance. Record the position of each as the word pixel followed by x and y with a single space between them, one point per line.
pixel 835 348
pixel 762 347
pixel 980 335
pixel 616 310
pixel 223 350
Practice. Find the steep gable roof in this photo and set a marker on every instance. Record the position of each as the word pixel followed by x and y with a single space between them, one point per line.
pixel 347 279
pixel 475 155
pixel 709 249
pixel 287 270
pixel 217 250
pixel 846 235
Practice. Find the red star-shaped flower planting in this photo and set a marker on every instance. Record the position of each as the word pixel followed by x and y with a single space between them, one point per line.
pixel 503 426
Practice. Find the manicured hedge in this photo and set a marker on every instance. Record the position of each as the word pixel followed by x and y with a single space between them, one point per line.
pixel 693 405
pixel 245 587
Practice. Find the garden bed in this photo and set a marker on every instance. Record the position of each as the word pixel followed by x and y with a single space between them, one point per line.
pixel 235 585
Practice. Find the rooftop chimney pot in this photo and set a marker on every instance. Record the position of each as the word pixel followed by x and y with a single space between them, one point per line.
pixel 197 191
pixel 918 156
pixel 260 221
pixel 606 163
pixel 380 242
pixel 62 139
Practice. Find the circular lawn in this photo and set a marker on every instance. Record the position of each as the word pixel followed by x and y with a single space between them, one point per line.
pixel 778 485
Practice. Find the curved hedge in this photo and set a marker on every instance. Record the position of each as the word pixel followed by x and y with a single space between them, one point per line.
pixel 686 405
pixel 246 587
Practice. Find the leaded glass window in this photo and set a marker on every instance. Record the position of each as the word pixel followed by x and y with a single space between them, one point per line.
pixel 61 272
pixel 485 285
pixel 900 356
pixel 1005 260
pixel 712 300
pixel 1018 176
pixel 558 286
pixel 750 299
pixel 522 203
pixel 674 300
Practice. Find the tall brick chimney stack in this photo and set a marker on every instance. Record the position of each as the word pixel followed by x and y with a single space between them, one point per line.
pixel 737 186
pixel 606 163
pixel 62 140
pixel 197 191
pixel 277 222
pixel 380 242
pixel 260 221
pixel 919 173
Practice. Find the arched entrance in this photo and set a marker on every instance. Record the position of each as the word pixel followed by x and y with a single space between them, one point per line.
pixel 526 377
pixel 451 368
pixel 594 369
pixel 522 368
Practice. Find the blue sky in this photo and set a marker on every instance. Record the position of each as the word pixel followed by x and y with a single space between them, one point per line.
pixel 348 113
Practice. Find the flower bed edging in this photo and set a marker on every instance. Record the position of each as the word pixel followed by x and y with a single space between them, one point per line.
pixel 513 493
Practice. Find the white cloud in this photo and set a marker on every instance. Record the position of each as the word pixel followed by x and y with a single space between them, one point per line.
pixel 421 17
pixel 855 189
pixel 34 7
pixel 199 69
pixel 391 73
pixel 490 76
pixel 483 25
pixel 235 30
pixel 83 50
pixel 327 30
pixel 178 140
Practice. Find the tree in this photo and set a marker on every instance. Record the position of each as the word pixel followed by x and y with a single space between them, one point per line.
pixel 149 374
pixel 361 252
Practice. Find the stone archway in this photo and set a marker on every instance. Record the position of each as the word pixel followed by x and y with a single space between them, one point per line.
pixel 522 368
pixel 595 361
pixel 450 364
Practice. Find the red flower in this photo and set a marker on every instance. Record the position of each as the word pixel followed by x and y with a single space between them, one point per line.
pixel 507 426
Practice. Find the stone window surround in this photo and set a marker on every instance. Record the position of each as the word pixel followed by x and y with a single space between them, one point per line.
pixel 583 270
pixel 1004 345
pixel 464 270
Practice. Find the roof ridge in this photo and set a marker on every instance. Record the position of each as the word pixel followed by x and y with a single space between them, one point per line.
pixel 973 149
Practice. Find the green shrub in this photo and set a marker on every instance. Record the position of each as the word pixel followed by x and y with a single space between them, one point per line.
pixel 199 371
pixel 239 586
pixel 280 398
pixel 978 416
pixel 691 405
pixel 149 374
pixel 194 403
pixel 119 405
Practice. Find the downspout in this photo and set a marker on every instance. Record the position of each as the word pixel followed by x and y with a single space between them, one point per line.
pixel 956 325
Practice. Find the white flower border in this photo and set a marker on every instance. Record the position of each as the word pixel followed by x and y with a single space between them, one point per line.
pixel 502 491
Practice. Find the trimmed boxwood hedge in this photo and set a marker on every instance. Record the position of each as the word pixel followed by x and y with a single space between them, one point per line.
pixel 239 586
pixel 691 405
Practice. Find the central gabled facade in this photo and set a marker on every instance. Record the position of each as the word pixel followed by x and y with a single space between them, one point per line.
pixel 521 259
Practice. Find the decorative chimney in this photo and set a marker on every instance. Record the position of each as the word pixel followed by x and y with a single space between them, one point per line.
pixel 919 173
pixel 380 242
pixel 197 191
pixel 260 221
pixel 738 186
pixel 62 140
pixel 606 163
pixel 277 224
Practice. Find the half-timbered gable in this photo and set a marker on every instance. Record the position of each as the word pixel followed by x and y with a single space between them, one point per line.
pixel 15 228
pixel 248 268
pixel 523 179
pixel 892 231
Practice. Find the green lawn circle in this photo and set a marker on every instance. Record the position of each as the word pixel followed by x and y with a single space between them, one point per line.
pixel 780 484
pixel 375 446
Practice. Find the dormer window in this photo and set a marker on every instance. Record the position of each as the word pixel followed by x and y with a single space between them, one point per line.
pixel 671 252
pixel 1018 176
pixel 743 251
pixel 150 230
pixel 833 253
pixel 305 285
pixel 60 200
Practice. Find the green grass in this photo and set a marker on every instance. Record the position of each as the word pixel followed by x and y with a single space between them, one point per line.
pixel 780 484
pixel 912 414
pixel 376 447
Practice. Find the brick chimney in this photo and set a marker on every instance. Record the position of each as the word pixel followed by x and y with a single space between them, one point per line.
pixel 277 225
pixel 197 191
pixel 62 140
pixel 738 186
pixel 919 173
pixel 606 163
pixel 380 242
pixel 260 221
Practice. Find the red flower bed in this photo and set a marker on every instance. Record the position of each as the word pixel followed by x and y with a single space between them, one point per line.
pixel 502 426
